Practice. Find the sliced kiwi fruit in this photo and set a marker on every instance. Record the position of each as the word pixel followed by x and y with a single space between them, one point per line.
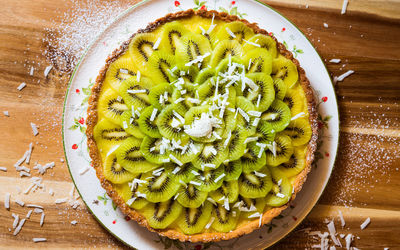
pixel 161 95
pixel 283 150
pixel 187 73
pixel 229 190
pixel 295 164
pixel 286 70
pixel 185 96
pixel 243 118
pixel 233 169
pixel 111 105
pixel 193 220
pixel 258 60
pixel 136 93
pixel 191 47
pixel 159 65
pixel 212 155
pixel 204 75
pixel 130 124
pixel 264 95
pixel 225 49
pixel 188 151
pixel 147 122
pixel 108 135
pixel 251 206
pixel 278 115
pixel 237 145
pixel 128 193
pixel 141 48
pixel 233 64
pixel 255 184
pixel 265 132
pixel 185 173
pixel 190 196
pixel 209 179
pixel 235 31
pixel 130 156
pixel 115 172
pixel 299 131
pixel 162 214
pixel 171 36
pixel 281 189
pixel 150 149
pixel 294 101
pixel 265 42
pixel 254 159
pixel 119 71
pixel 280 89
pixel 225 220
pixel 160 187
pixel 170 122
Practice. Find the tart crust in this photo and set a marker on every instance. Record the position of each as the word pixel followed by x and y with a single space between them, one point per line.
pixel 172 233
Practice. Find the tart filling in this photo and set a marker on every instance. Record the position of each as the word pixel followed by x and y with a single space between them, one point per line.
pixel 202 127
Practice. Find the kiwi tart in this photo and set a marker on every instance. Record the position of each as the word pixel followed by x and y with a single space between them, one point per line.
pixel 202 127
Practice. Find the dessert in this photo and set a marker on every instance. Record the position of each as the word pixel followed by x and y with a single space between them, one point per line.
pixel 202 127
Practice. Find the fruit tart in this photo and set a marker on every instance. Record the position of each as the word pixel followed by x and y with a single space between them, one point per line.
pixel 202 127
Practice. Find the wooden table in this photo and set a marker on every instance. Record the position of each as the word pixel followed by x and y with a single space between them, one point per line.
pixel 366 179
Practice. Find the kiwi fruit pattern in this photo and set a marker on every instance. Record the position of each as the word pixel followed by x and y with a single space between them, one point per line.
pixel 202 126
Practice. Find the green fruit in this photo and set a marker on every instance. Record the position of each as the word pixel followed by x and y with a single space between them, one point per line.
pixel 299 131
pixel 228 191
pixel 280 89
pixel 136 93
pixel 204 75
pixel 233 169
pixel 171 36
pixel 236 30
pixel 130 124
pixel 141 48
pixel 243 107
pixel 147 122
pixel 188 151
pixel 255 184
pixel 225 220
pixel 258 61
pixel 295 164
pixel 209 180
pixel 212 155
pixel 251 206
pixel 265 42
pixel 162 214
pixel 265 132
pixel 108 135
pixel 286 70
pixel 281 189
pixel 161 95
pixel 111 105
pixel 115 172
pixel 263 96
pixel 192 47
pixel 190 196
pixel 294 101
pixel 284 151
pixel 159 65
pixel 185 173
pixel 225 49
pixel 170 122
pixel 194 220
pixel 237 145
pixel 254 159
pixel 119 71
pixel 151 150
pixel 278 115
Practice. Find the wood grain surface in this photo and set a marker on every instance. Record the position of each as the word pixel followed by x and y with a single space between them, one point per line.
pixel 366 179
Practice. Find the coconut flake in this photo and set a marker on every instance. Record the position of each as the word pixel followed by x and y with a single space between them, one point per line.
pixel 219 177
pixel 250 139
pixel 301 114
pixel 195 183
pixel 21 86
pixel 29 153
pixel 334 60
pixel 19 227
pixel 7 201
pixel 74 222
pixel 136 91
pixel 157 43
pixel 349 239
pixel 255 215
pixel 174 159
pixel 34 129
pixel 332 233
pixel 344 75
pixel 16 220
pixel 365 223
pixel 47 70
pixel 254 113
pixel 259 174
pixel 326 25
pixel 19 202
pixel 61 200
pixel 4 169
pixel 256 121
pixel 28 215
pixel 251 43
pixel 6 113
pixel 36 240
pixel 342 221
pixel 344 7
pixel 31 71
pixel 230 32
pixel 41 219
pixel 84 170
pixel 210 223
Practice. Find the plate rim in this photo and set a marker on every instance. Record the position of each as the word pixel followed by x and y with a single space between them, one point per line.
pixel 298 221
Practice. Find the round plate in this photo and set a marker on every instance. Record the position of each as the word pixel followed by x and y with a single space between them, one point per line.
pixel 139 16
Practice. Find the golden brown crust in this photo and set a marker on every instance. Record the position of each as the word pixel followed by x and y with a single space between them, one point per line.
pixel 171 233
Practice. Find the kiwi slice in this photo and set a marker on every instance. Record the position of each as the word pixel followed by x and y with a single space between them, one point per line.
pixel 254 159
pixel 209 179
pixel 286 70
pixel 278 115
pixel 147 122
pixel 294 101
pixel 233 64
pixel 185 96
pixel 130 124
pixel 295 164
pixel 161 95
pixel 187 73
pixel 141 48
pixel 265 42
pixel 130 156
pixel 111 105
pixel 237 145
pixel 159 66
pixel 192 47
pixel 280 89
pixel 258 60
pixel 136 93
pixel 281 189
pixel 235 31
pixel 160 187
pixel 119 71
pixel 204 75
pixel 185 173
pixel 190 196
pixel 212 155
pixel 283 150
pixel 250 206
pixel 188 151
pixel 265 132
pixel 171 36
pixel 233 170
pixel 225 220
pixel 170 122
pixel 108 135
pixel 299 131
pixel 162 214
pixel 150 149
pixel 264 95
pixel 209 91
pixel 193 220
pixel 225 49
pixel 255 184
pixel 229 190
pixel 127 192
pixel 244 106
pixel 115 172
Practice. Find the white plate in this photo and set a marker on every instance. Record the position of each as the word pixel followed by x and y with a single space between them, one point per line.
pixel 138 17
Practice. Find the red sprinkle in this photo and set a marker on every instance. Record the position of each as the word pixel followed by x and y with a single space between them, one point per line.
pixel 74 146
pixel 177 3
pixel 114 221
pixel 203 7
pixel 326 154
pixel 81 121
pixel 324 99
pixel 294 218
pixel 271 34
pixel 233 2
pixel 77 91
pixel 283 29
pixel 198 247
